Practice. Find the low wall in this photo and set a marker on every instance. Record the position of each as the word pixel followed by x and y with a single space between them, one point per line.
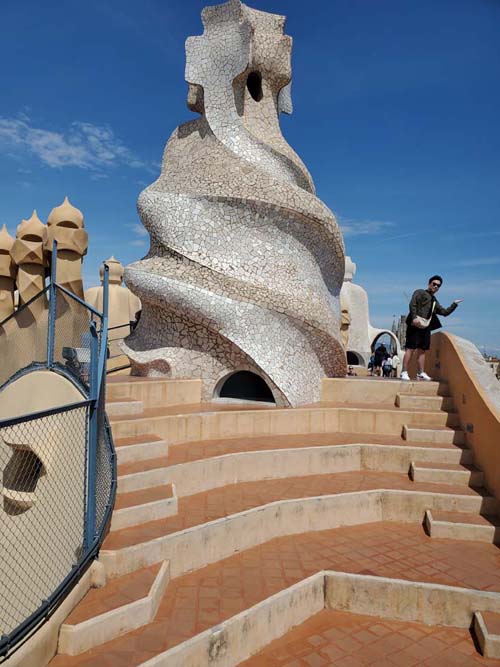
pixel 155 393
pixel 246 423
pixel 476 393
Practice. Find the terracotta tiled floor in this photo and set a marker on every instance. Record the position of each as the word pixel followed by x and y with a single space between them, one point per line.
pixel 202 507
pixel 201 599
pixel 349 640
pixel 143 496
pixel 359 405
pixel 202 449
pixel 119 592
pixel 464 517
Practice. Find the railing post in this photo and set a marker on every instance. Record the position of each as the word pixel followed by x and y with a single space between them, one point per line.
pixel 105 318
pixel 92 441
pixel 52 307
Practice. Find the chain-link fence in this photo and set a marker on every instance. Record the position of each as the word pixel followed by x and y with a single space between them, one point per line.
pixel 32 338
pixel 57 463
pixel 72 338
pixel 43 509
pixel 105 465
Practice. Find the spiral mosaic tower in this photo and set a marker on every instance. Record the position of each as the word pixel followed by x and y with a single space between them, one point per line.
pixel 246 263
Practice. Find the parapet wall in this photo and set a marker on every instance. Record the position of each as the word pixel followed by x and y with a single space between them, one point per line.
pixel 477 399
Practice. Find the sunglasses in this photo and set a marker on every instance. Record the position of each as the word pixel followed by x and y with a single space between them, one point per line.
pixel 436 284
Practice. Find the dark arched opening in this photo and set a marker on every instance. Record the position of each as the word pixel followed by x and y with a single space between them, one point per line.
pixel 254 85
pixel 246 386
pixel 353 359
pixel 386 338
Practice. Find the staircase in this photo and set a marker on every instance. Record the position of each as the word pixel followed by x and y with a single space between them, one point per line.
pixel 235 522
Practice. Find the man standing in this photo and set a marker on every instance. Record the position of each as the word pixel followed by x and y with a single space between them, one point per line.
pixel 421 320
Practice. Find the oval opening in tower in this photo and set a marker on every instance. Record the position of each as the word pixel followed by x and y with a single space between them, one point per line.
pixel 254 85
pixel 354 359
pixel 246 386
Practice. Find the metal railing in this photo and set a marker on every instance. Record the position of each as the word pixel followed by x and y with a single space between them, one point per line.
pixel 57 464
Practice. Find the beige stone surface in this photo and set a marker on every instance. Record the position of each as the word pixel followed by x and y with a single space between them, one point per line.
pixel 80 637
pixel 123 306
pixel 65 225
pixel 489 641
pixel 198 546
pixel 28 252
pixel 7 274
pixel 477 399
pixel 157 393
pixel 358 332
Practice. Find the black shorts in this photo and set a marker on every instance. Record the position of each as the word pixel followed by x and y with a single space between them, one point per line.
pixel 418 338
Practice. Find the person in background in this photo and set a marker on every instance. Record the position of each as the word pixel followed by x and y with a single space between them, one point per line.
pixel 371 364
pixel 387 366
pixel 395 365
pixel 380 354
pixel 421 320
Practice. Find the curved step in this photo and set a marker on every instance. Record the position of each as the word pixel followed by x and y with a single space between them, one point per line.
pixel 377 390
pixel 413 433
pixel 463 526
pixel 487 631
pixel 416 402
pixel 124 604
pixel 155 392
pixel 123 406
pixel 209 473
pixel 140 448
pixel 139 475
pixel 138 507
pixel 236 638
pixel 220 538
pixel 333 638
pixel 446 473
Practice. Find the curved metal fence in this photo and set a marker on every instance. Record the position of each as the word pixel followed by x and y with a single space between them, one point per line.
pixel 57 464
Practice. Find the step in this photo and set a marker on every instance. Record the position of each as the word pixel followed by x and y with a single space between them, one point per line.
pixel 123 604
pixel 433 388
pixel 433 419
pixel 140 448
pixel 463 526
pixel 417 402
pixel 138 507
pixel 117 363
pixel 446 473
pixel 155 392
pixel 444 435
pixel 139 475
pixel 208 595
pixel 123 406
pixel 487 631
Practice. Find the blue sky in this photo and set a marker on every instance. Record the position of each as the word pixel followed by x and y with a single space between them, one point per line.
pixel 396 107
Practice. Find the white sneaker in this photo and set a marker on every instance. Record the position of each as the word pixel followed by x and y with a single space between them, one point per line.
pixel 404 376
pixel 423 376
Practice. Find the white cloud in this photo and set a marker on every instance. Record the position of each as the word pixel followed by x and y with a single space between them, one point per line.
pixel 83 145
pixel 140 233
pixel 352 227
pixel 138 229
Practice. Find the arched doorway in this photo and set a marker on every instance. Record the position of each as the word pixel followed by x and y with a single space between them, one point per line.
pixel 246 386
pixel 354 359
pixel 388 339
